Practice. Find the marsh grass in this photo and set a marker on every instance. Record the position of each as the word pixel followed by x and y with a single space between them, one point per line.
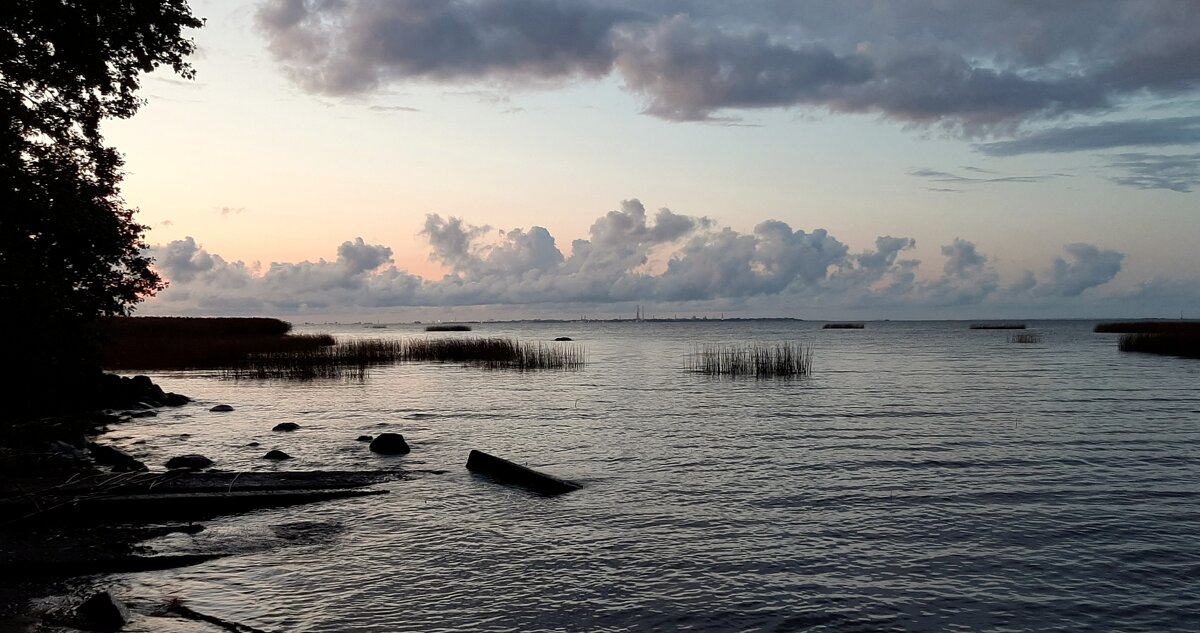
pixel 448 327
pixel 843 326
pixel 1024 338
pixel 997 326
pixel 760 360
pixel 1186 344
pixel 1148 327
pixel 147 343
pixel 352 360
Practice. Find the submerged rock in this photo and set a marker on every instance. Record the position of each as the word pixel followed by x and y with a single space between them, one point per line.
pixel 193 462
pixel 102 612
pixel 389 444
pixel 175 400
pixel 564 338
pixel 277 455
pixel 221 408
pixel 365 438
pixel 286 426
pixel 253 444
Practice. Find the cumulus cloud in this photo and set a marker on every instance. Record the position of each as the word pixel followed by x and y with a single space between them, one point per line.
pixel 668 258
pixel 976 67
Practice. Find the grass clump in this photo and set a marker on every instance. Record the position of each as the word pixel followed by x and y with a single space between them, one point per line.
pixel 1024 338
pixel 760 360
pixel 352 360
pixel 997 326
pixel 495 353
pixel 1186 344
pixel 1148 327
pixel 448 327
pixel 843 326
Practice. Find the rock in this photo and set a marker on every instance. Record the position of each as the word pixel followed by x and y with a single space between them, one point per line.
pixel 365 438
pixel 286 426
pixel 276 454
pixel 193 462
pixel 148 413
pixel 175 400
pixel 102 612
pixel 253 444
pixel 507 472
pixel 221 408
pixel 389 444
pixel 117 458
pixel 564 338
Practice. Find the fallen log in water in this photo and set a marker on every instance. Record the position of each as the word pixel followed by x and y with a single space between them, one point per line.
pixel 507 472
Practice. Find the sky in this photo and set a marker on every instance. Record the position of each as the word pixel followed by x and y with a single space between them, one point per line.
pixel 472 159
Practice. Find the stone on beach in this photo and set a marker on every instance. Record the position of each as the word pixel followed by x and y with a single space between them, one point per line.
pixel 192 462
pixel 221 408
pixel 102 612
pixel 389 444
pixel 276 454
pixel 286 426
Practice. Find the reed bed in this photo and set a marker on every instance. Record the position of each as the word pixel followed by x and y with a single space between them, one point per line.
pixel 1024 338
pixel 449 327
pixel 997 326
pixel 760 360
pixel 352 360
pixel 843 326
pixel 495 353
pixel 1186 344
pixel 1148 327
pixel 172 352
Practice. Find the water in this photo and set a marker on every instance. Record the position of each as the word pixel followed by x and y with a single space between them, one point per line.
pixel 926 477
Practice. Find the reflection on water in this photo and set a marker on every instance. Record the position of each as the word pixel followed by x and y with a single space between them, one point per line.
pixel 924 477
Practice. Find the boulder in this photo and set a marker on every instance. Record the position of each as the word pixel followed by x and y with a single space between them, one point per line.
pixel 365 438
pixel 221 408
pixel 253 444
pixel 102 612
pixel 277 455
pixel 175 400
pixel 193 462
pixel 147 413
pixel 507 472
pixel 286 426
pixel 389 444
pixel 121 461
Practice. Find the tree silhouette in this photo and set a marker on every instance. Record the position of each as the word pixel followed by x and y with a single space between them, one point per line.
pixel 70 250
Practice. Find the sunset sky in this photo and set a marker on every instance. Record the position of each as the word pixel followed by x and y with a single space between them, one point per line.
pixel 506 158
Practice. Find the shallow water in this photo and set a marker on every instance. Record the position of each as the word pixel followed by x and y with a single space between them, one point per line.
pixel 926 477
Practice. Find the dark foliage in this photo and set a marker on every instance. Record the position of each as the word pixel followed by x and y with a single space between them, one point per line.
pixel 997 326
pixel 1148 327
pixel 448 328
pixel 1185 344
pixel 843 326
pixel 70 250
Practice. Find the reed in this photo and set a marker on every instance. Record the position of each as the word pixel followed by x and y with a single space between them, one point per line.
pixel 449 327
pixel 1024 338
pixel 1148 327
pixel 1186 344
pixel 147 352
pixel 997 326
pixel 495 353
pixel 760 360
pixel 843 326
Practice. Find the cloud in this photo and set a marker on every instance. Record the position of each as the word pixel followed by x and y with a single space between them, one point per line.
pixel 1176 172
pixel 231 210
pixel 669 258
pixel 972 67
pixel 1159 132
pixel 1085 267
pixel 938 176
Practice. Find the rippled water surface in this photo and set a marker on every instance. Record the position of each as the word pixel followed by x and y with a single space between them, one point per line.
pixel 926 477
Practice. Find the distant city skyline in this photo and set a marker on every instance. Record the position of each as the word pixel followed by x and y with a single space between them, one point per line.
pixel 513 158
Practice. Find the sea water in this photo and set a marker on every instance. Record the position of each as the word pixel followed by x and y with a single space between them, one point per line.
pixel 924 477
